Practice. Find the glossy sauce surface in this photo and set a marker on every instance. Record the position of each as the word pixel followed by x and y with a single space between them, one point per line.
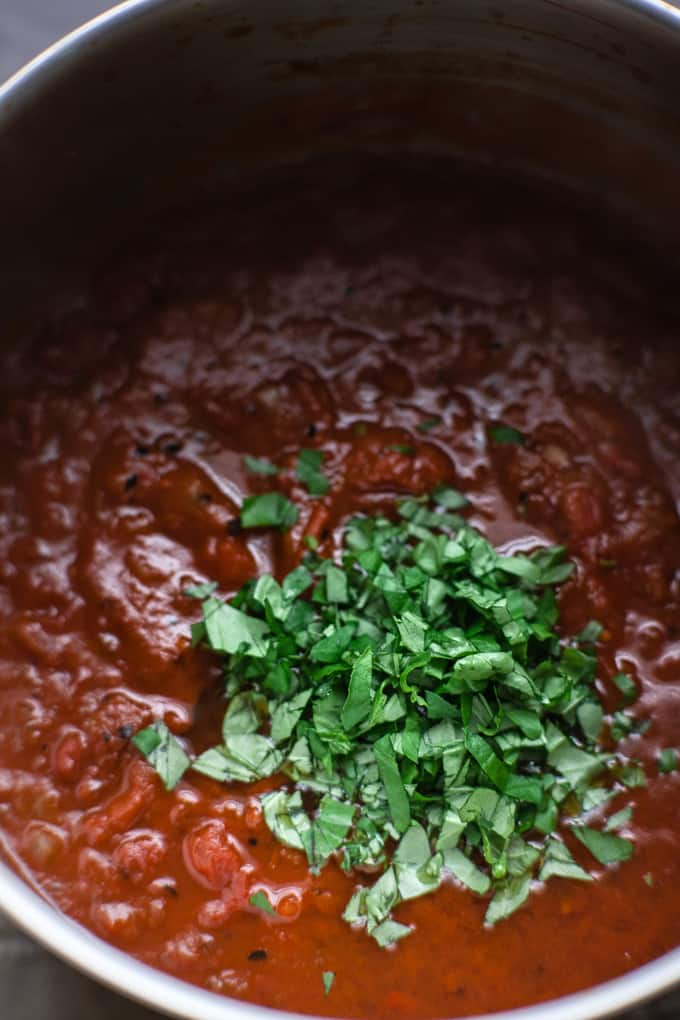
pixel 330 309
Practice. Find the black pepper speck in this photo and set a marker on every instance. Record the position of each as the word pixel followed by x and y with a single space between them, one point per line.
pixel 234 527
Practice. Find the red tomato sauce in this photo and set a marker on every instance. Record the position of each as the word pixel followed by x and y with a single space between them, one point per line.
pixel 337 311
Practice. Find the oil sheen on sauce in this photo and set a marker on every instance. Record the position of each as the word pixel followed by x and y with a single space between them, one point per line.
pixel 333 307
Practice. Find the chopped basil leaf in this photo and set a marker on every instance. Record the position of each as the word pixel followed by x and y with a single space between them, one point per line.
pixel 397 798
pixel 389 932
pixel 505 434
pixel 197 633
pixel 336 585
pixel 200 591
pixel 428 423
pixel 261 901
pixel 605 847
pixel 327 832
pixel 450 498
pixel 575 765
pixel 358 703
pixel 508 898
pixel 668 760
pixel 424 714
pixel 245 714
pixel 521 856
pixel 463 869
pixel 269 510
pixel 621 726
pixel 296 583
pixel 590 633
pixel 628 688
pixel 328 977
pixel 308 471
pixel 633 775
pixel 286 716
pixel 243 758
pixel 164 751
pixel 260 465
pixel 285 815
pixel 590 716
pixel 332 646
pixel 228 630
pixel 619 819
pixel 559 863
pixel 404 448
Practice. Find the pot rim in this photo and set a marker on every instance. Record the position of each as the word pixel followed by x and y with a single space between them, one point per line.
pixel 122 973
pixel 666 12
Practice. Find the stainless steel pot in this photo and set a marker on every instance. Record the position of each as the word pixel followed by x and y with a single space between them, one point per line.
pixel 163 101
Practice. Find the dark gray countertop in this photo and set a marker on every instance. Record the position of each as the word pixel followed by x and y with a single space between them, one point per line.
pixel 28 26
pixel 33 984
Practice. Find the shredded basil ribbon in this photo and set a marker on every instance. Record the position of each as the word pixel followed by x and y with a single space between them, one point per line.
pixel 420 694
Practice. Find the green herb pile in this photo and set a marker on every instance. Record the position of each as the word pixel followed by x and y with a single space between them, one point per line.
pixel 420 698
